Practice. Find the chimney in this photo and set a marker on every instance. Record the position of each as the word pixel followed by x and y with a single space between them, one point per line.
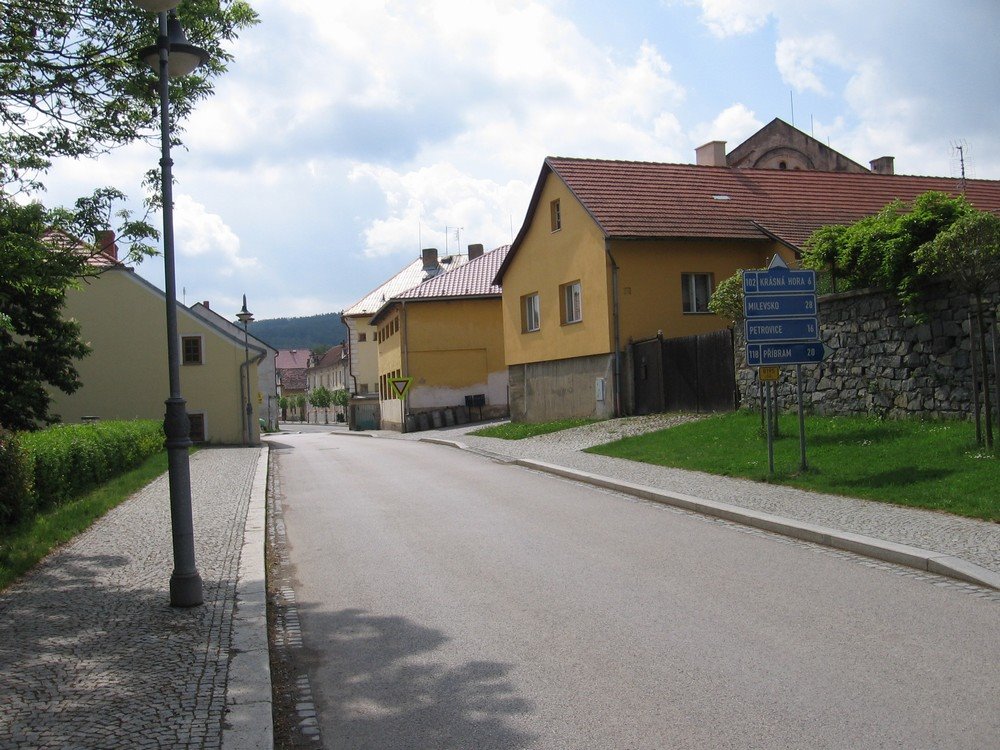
pixel 106 243
pixel 883 165
pixel 205 305
pixel 712 154
pixel 475 251
pixel 430 257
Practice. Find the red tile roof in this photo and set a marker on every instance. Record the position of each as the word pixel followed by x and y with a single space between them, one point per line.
pixel 647 200
pixel 331 357
pixel 292 359
pixel 472 279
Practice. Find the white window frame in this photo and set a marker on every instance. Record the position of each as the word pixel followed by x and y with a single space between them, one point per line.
pixel 689 293
pixel 555 215
pixel 531 315
pixel 571 296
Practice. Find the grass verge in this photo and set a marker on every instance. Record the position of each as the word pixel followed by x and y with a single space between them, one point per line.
pixel 923 464
pixel 521 430
pixel 24 545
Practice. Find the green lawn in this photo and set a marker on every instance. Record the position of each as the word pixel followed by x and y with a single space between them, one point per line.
pixel 22 546
pixel 925 464
pixel 521 430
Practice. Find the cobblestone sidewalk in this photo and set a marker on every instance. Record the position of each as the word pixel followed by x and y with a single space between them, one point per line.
pixel 93 656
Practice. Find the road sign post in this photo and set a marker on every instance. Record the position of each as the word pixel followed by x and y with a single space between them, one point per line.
pixel 781 328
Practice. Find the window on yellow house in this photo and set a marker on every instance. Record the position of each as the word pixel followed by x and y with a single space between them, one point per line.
pixel 555 215
pixel 362 337
pixel 696 288
pixel 530 313
pixel 571 303
pixel 191 350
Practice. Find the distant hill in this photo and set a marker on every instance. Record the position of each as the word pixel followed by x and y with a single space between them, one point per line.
pixel 306 332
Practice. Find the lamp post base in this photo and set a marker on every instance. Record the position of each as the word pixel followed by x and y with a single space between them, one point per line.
pixel 185 582
pixel 185 590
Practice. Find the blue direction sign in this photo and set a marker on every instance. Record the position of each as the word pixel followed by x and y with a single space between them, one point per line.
pixel 800 353
pixel 782 329
pixel 779 305
pixel 778 279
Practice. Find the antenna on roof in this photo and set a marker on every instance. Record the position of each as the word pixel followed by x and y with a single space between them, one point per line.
pixel 961 149
pixel 791 98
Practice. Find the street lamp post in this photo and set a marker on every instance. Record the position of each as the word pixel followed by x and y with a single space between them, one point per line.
pixel 246 317
pixel 172 55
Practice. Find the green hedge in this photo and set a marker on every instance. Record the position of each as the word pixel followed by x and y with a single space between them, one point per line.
pixel 39 470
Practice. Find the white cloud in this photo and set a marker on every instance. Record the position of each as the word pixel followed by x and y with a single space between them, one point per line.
pixel 206 235
pixel 799 58
pixel 734 124
pixel 728 18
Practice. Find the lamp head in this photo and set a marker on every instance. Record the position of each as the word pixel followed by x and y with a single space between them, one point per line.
pixel 244 315
pixel 183 57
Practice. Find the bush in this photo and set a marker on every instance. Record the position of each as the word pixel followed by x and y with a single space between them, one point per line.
pixel 67 460
pixel 16 474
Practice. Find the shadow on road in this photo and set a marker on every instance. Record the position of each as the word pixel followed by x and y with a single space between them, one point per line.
pixel 387 693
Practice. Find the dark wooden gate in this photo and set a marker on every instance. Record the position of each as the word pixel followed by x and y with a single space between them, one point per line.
pixel 691 373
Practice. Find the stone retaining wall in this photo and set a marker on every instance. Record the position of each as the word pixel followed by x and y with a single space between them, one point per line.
pixel 883 362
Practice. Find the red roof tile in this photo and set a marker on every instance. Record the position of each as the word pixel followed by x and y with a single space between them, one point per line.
pixel 642 199
pixel 471 279
pixel 637 200
pixel 292 359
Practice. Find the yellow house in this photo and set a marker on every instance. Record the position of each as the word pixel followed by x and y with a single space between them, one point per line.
pixel 446 335
pixel 362 348
pixel 123 319
pixel 615 251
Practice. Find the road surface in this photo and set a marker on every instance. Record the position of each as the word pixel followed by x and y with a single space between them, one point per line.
pixel 449 601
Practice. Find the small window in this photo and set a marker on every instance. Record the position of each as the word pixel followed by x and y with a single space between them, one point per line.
pixel 556 216
pixel 191 350
pixel 197 427
pixel 530 314
pixel 362 337
pixel 696 288
pixel 363 389
pixel 571 302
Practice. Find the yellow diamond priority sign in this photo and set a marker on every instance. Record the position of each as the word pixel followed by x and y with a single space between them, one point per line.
pixel 400 386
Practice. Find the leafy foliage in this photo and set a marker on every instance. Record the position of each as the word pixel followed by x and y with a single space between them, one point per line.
pixel 72 84
pixel 727 298
pixel 40 262
pixel 52 466
pixel 969 249
pixel 880 250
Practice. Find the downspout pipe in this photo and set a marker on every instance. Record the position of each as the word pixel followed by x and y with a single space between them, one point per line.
pixel 245 396
pixel 404 358
pixel 616 326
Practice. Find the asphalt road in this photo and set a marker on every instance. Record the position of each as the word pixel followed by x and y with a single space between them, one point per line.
pixel 447 601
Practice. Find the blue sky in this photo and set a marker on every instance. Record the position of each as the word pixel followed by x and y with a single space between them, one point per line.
pixel 349 134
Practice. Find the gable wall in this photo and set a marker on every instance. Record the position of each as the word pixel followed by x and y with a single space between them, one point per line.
pixel 125 376
pixel 455 348
pixel 544 261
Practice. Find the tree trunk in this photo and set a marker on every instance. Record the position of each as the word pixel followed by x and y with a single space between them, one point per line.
pixel 987 396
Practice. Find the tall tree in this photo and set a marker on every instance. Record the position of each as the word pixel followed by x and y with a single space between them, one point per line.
pixel 71 84
pixel 969 252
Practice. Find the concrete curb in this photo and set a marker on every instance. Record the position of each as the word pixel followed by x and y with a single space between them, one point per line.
pixel 248 722
pixel 901 554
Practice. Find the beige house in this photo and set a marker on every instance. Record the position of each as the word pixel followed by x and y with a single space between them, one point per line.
pixel 330 372
pixel 123 319
pixel 264 398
